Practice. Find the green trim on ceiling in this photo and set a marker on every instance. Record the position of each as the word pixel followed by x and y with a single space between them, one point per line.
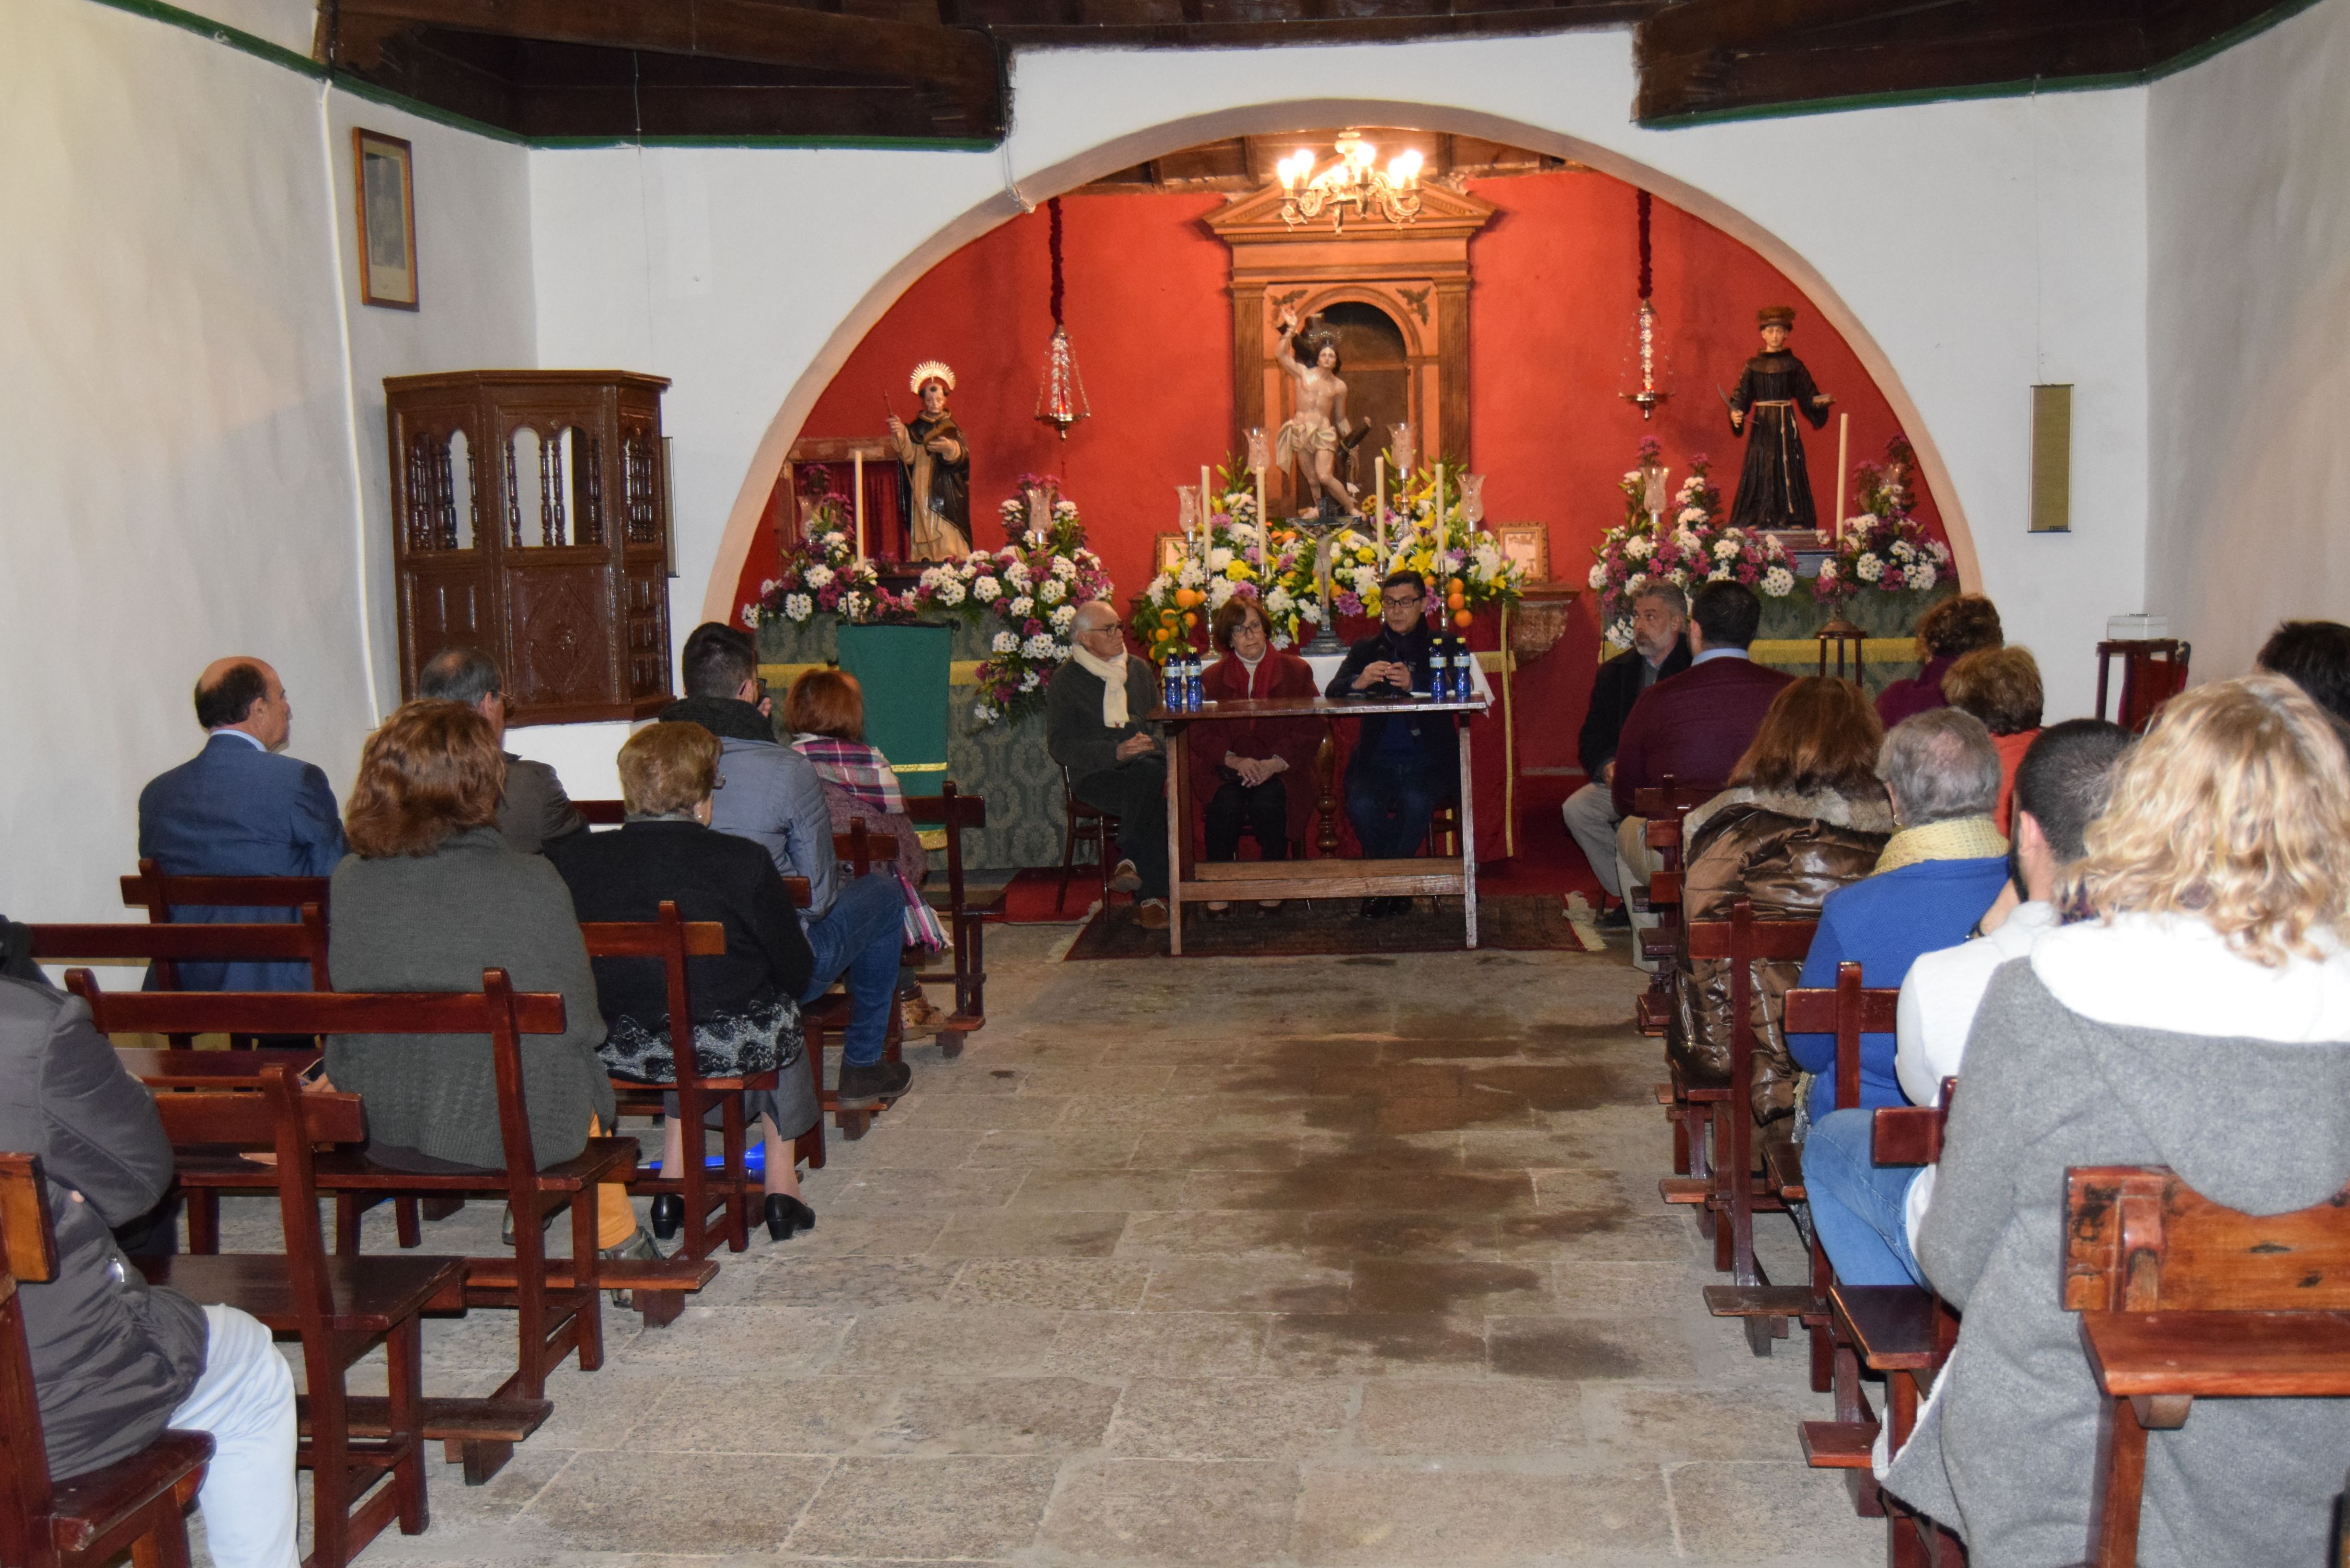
pixel 343 81
pixel 2184 60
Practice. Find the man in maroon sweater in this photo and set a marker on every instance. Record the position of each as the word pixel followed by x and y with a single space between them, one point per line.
pixel 1694 725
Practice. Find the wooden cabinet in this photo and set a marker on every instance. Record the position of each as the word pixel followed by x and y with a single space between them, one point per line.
pixel 530 520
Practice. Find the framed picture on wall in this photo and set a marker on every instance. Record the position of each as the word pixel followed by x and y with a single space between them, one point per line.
pixel 387 239
pixel 1168 555
pixel 1527 544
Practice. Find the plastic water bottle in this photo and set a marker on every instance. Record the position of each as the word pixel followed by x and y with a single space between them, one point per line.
pixel 1195 693
pixel 1172 677
pixel 1441 685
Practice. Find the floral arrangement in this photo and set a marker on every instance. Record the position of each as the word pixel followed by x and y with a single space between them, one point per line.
pixel 1686 545
pixel 822 574
pixel 1223 561
pixel 1884 547
pixel 1022 598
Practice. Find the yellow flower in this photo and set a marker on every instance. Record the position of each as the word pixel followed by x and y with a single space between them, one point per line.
pixel 1239 572
pixel 1363 554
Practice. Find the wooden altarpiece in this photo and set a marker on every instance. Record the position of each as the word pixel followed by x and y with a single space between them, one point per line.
pixel 530 520
pixel 1415 274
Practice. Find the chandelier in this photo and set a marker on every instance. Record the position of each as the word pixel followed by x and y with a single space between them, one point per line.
pixel 1354 181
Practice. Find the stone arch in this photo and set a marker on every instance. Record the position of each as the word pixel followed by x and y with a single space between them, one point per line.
pixel 1026 191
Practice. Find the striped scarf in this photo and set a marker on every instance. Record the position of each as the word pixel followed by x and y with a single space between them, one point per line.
pixel 1959 839
pixel 858 769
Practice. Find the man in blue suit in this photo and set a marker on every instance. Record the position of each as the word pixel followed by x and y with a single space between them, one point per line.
pixel 239 809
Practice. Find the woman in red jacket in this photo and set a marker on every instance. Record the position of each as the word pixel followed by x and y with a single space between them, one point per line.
pixel 1242 769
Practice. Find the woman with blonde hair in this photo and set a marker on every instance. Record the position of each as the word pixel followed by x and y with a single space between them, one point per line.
pixel 1803 817
pixel 2196 1016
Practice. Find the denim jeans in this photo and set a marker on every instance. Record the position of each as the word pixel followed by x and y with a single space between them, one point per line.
pixel 861 936
pixel 245 1400
pixel 1411 785
pixel 1857 1204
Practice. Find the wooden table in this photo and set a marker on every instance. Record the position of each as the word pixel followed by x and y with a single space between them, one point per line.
pixel 1238 880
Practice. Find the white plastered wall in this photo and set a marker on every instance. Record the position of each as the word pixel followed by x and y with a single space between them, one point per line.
pixel 190 420
pixel 2249 170
pixel 1969 249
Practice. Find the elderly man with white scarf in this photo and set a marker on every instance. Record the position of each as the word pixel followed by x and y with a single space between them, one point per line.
pixel 1094 728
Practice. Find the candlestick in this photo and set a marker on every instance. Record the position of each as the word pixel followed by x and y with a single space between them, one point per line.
pixel 1381 511
pixel 858 468
pixel 1264 538
pixel 1844 448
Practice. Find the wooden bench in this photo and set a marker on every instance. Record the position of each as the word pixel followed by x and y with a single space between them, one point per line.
pixel 137 1504
pixel 342 1308
pixel 1665 807
pixel 558 1305
pixel 2182 1299
pixel 671 941
pixel 1736 1190
pixel 957 813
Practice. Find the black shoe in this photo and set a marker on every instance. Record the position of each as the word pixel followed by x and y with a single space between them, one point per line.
pixel 669 1213
pixel 879 1083
pixel 1618 919
pixel 1385 908
pixel 1372 909
pixel 786 1214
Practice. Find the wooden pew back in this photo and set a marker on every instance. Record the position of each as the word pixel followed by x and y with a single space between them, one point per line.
pixel 1847 1012
pixel 2138 1239
pixel 164 946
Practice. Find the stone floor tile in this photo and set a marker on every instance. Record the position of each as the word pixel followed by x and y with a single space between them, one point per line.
pixel 1584 1348
pixel 1010 1416
pixel 899 1147
pixel 1376 1344
pixel 926 1508
pixel 1225 1233
pixel 924 1191
pixel 637 1501
pixel 1488 1417
pixel 1212 1284
pixel 1174 1343
pixel 1383 1152
pixel 1447 1288
pixel 1093 1284
pixel 1230 1419
pixel 1019 1234
pixel 1656 1421
pixel 866 1235
pixel 982 1342
pixel 1100 1149
pixel 1139 1111
pixel 1741 1512
pixel 776 1415
pixel 983 1112
pixel 1339 1237
pixel 1119 1078
pixel 1447 1515
pixel 781 1341
pixel 1591 1285
pixel 1231 1150
pixel 1074 1191
pixel 853 1284
pixel 1219 1513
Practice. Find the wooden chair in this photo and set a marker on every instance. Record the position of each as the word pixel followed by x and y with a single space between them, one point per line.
pixel 2182 1299
pixel 163 947
pixel 862 850
pixel 2153 672
pixel 966 921
pixel 557 1301
pixel 341 1307
pixel 671 941
pixel 1735 1191
pixel 137 1504
pixel 1078 821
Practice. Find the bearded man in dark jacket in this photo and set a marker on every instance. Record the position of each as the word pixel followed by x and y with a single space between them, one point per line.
pixel 115 1361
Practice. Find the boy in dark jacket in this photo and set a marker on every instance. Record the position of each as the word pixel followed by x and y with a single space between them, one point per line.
pixel 115 1362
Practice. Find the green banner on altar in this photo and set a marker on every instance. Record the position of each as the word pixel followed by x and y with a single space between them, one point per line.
pixel 904 672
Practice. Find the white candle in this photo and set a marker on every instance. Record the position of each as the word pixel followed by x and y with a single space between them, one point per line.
pixel 1844 449
pixel 1441 534
pixel 1381 511
pixel 858 483
pixel 1207 507
pixel 1263 535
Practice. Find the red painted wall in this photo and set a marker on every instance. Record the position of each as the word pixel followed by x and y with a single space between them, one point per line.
pixel 1551 350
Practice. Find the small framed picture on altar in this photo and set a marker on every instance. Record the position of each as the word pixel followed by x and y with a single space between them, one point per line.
pixel 1170 553
pixel 387 238
pixel 1528 545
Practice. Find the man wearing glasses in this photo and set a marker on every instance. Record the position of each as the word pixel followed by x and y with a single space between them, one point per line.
pixel 1406 765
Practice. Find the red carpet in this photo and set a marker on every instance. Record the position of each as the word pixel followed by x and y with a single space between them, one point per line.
pixel 1548 862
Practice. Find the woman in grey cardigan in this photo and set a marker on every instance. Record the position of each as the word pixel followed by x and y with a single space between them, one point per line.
pixel 2202 1021
pixel 430 897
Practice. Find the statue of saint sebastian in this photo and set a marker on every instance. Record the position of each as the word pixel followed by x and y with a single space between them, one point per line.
pixel 934 462
pixel 1310 439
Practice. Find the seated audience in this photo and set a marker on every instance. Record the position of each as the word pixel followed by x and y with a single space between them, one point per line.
pixel 1404 765
pixel 2200 1020
pixel 1803 817
pixel 1867 1214
pixel 115 1360
pixel 1693 726
pixel 771 794
pixel 1660 615
pixel 239 809
pixel 1946 633
pixel 430 897
pixel 2314 655
pixel 533 813
pixel 1242 768
pixel 2001 686
pixel 825 712
pixel 1095 727
pixel 1938 876
pixel 746 1015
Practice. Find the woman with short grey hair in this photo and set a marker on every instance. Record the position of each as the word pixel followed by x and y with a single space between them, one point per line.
pixel 1937 876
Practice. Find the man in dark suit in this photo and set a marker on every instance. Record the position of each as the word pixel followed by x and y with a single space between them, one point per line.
pixel 533 813
pixel 1696 725
pixel 1660 615
pixel 239 809
pixel 1406 765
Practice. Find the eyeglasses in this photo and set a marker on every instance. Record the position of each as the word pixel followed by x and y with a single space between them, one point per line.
pixel 1406 600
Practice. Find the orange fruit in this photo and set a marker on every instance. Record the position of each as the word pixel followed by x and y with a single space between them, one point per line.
pixel 1463 620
